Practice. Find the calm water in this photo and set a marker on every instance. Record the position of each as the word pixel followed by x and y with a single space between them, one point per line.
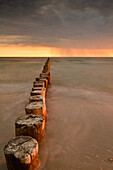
pixel 79 131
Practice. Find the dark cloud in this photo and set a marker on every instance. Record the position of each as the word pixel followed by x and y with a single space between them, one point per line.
pixel 96 4
pixel 64 23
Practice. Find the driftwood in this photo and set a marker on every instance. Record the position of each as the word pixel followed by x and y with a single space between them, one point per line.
pixel 37 98
pixel 38 92
pixel 37 108
pixel 21 153
pixel 30 125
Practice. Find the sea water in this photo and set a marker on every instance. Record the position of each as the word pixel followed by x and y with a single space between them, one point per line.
pixel 79 130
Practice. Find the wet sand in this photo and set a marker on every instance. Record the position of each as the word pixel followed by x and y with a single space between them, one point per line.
pixel 79 131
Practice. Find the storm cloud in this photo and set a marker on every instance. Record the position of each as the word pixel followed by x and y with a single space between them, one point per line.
pixel 57 23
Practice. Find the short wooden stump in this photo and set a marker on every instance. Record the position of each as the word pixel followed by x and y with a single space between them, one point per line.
pixel 36 108
pixel 38 88
pixel 47 76
pixel 38 92
pixel 21 153
pixel 30 125
pixel 46 68
pixel 37 84
pixel 46 73
pixel 41 79
pixel 37 98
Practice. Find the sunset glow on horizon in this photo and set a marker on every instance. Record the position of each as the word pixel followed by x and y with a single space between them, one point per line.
pixel 56 28
pixel 29 51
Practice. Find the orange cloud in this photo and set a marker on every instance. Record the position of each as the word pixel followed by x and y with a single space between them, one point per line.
pixel 28 51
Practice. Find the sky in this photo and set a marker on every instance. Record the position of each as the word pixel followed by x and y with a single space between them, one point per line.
pixel 56 28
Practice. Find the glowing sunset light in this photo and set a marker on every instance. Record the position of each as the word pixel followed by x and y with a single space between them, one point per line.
pixel 29 51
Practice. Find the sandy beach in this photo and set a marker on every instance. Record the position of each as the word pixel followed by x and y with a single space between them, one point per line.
pixel 79 131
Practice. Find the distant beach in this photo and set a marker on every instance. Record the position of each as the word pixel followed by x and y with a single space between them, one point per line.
pixel 79 132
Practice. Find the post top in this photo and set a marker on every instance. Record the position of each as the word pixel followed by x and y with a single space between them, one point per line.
pixel 22 148
pixel 35 105
pixel 29 120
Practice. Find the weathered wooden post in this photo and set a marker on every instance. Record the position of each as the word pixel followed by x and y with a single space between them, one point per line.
pixel 30 125
pixel 46 67
pixel 41 79
pixel 38 92
pixel 21 153
pixel 37 108
pixel 47 76
pixel 47 73
pixel 37 98
pixel 38 88
pixel 38 84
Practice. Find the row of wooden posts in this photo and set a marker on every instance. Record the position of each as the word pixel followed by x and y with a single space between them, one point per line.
pixel 21 152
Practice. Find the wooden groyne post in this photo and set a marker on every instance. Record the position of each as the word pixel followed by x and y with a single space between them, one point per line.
pixel 30 125
pixel 36 108
pixel 21 152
